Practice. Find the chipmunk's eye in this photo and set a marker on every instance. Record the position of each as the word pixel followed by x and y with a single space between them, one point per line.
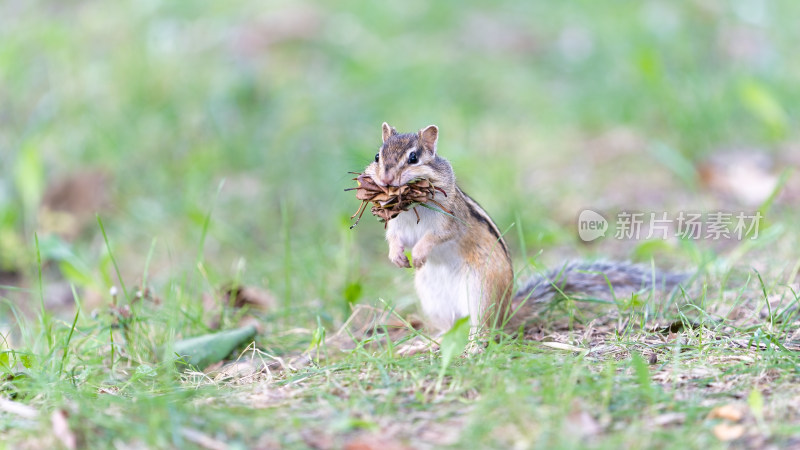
pixel 377 157
pixel 412 158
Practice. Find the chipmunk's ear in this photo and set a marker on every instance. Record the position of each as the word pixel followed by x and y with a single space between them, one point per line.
pixel 387 131
pixel 428 137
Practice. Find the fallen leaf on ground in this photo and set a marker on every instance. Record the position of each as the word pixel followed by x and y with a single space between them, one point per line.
pixel 728 432
pixel 202 351
pixel 239 296
pixel 731 412
pixel 70 203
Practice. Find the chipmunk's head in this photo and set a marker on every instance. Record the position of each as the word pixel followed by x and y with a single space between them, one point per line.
pixel 404 157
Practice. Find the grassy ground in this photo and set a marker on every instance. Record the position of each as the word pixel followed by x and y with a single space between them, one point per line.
pixel 213 143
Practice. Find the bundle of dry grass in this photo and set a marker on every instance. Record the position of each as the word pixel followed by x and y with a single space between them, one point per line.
pixel 389 201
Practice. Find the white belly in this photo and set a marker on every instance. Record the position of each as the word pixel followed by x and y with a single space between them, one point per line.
pixel 445 286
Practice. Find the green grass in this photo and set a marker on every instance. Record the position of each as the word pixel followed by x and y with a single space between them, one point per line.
pixel 225 133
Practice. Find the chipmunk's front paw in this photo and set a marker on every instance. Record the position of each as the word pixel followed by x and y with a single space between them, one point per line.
pixel 418 259
pixel 399 259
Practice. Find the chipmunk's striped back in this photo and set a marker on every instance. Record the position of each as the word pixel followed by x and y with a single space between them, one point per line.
pixel 480 215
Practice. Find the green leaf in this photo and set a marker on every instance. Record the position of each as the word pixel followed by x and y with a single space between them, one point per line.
pixel 453 344
pixel 202 351
pixel 634 302
pixel 756 402
pixel 354 423
pixel 650 65
pixel 27 360
pixel 318 337
pixel 72 267
pixel 5 359
pixel 352 292
pixel 762 104
pixel 79 277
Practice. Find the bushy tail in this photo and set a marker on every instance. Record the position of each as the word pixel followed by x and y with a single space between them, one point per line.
pixel 600 279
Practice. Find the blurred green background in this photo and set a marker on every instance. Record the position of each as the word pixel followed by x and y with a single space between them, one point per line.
pixel 159 115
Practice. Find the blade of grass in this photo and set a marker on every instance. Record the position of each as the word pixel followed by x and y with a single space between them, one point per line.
pixel 147 263
pixel 71 330
pixel 207 222
pixel 766 300
pixel 523 247
pixel 39 268
pixel 782 179
pixel 43 317
pixel 287 252
pixel 433 208
pixel 111 339
pixel 113 260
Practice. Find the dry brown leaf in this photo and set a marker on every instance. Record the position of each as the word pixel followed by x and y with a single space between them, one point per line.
pixel 250 296
pixel 728 432
pixel 238 297
pixel 389 201
pixel 61 429
pixel 732 412
pixel 70 203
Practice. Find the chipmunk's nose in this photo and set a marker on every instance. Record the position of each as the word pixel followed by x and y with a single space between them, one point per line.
pixel 386 180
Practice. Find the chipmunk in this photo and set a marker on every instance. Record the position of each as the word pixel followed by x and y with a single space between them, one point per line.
pixel 463 265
